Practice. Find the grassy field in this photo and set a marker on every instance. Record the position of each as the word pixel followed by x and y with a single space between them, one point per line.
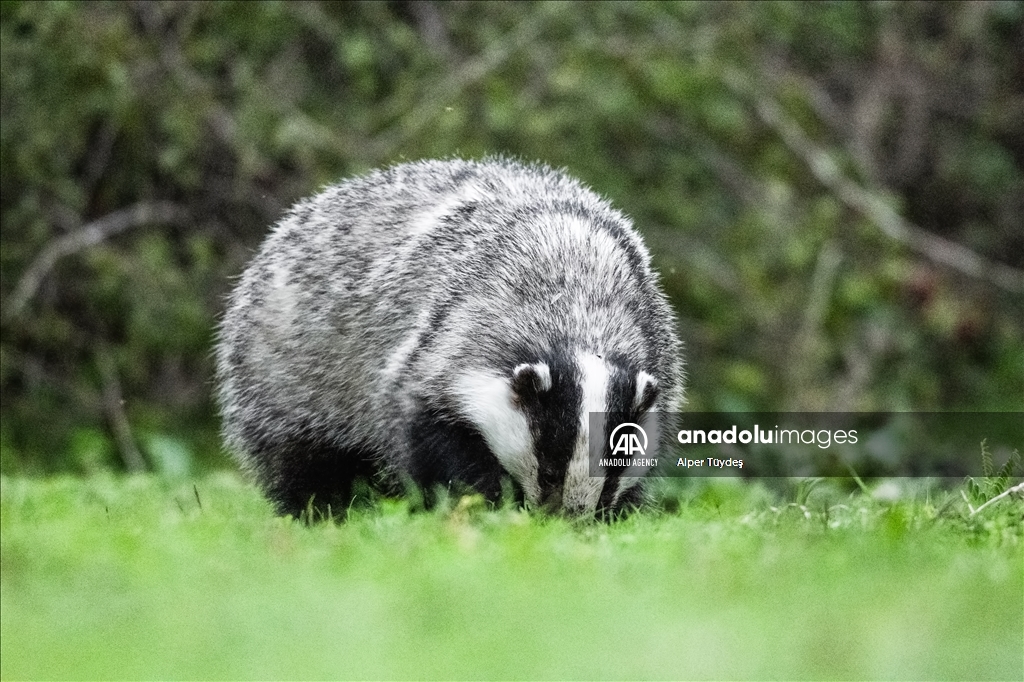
pixel 138 578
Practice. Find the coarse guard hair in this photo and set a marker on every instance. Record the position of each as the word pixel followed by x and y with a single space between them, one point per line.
pixel 447 323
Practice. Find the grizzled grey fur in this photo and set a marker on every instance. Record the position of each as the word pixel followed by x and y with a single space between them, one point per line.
pixel 379 310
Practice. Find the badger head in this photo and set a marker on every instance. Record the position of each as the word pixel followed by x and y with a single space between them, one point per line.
pixel 546 419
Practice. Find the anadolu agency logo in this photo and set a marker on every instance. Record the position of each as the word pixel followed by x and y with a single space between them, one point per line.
pixel 628 445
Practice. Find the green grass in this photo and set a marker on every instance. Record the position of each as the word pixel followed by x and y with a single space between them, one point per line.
pixel 136 578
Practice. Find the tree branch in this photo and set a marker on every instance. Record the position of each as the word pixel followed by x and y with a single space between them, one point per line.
pixel 93 233
pixel 113 403
pixel 439 95
pixel 825 169
pixel 1019 488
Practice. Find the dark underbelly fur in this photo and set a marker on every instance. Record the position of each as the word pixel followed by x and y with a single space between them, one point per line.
pixel 307 476
pixel 449 453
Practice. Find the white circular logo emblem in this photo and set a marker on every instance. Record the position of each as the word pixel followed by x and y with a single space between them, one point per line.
pixel 628 443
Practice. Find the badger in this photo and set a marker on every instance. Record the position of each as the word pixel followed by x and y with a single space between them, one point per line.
pixel 447 323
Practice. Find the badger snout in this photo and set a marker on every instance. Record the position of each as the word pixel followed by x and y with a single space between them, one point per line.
pixel 557 503
pixel 552 501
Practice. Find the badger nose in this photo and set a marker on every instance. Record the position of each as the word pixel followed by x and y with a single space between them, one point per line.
pixel 574 512
pixel 552 501
pixel 574 509
pixel 553 504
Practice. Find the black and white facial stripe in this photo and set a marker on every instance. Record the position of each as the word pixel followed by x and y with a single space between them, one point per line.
pixel 537 423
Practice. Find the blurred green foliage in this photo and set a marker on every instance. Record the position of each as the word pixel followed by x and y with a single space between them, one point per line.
pixel 749 141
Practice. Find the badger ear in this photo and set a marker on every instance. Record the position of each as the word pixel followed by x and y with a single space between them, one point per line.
pixel 646 392
pixel 529 380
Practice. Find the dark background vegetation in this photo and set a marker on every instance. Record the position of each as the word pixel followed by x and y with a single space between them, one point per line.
pixel 833 192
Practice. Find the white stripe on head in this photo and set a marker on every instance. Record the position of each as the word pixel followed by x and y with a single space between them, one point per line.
pixel 582 491
pixel 487 401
